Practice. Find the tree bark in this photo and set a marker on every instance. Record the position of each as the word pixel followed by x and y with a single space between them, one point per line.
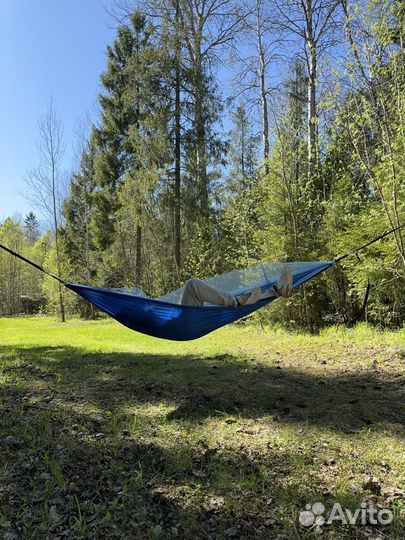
pixel 201 159
pixel 312 105
pixel 263 97
pixel 177 151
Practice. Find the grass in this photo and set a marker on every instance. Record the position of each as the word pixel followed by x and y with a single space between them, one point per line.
pixel 107 434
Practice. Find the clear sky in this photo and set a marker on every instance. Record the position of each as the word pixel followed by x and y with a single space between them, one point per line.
pixel 48 47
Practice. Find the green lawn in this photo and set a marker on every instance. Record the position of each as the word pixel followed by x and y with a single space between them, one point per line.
pixel 107 434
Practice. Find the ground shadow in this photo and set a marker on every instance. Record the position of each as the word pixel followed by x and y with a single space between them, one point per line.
pixel 60 479
pixel 202 387
pixel 66 474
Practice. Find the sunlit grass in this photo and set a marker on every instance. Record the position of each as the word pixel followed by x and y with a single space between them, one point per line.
pixel 118 435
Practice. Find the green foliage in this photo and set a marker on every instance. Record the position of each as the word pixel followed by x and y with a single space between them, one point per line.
pixel 160 195
pixel 366 159
pixel 31 226
pixel 291 211
pixel 130 93
pixel 239 199
pixel 51 286
pixel 20 284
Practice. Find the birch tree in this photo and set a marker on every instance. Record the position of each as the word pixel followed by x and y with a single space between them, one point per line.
pixel 46 183
pixel 259 52
pixel 314 24
pixel 207 27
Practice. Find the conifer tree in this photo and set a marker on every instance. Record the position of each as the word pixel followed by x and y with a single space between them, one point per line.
pixel 130 145
pixel 31 227
pixel 77 233
pixel 240 201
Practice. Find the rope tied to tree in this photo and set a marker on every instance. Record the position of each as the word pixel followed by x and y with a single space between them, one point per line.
pixel 352 252
pixel 32 263
pixel 355 251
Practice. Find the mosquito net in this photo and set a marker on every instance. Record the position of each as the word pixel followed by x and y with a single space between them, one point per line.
pixel 261 275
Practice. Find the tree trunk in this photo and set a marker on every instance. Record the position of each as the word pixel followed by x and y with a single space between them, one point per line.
pixel 55 221
pixel 177 153
pixel 200 133
pixel 138 262
pixel 87 254
pixel 312 109
pixel 242 151
pixel 263 99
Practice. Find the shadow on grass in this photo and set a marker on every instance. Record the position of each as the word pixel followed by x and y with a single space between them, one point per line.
pixel 68 474
pixel 205 387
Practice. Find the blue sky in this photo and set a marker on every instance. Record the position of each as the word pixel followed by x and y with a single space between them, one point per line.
pixel 48 47
pixel 52 48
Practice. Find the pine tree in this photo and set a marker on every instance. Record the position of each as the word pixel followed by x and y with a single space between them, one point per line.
pixel 31 227
pixel 112 135
pixel 79 244
pixel 239 217
pixel 243 150
pixel 131 145
pixel 206 28
pixel 285 216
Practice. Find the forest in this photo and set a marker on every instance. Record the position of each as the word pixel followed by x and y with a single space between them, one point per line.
pixel 229 132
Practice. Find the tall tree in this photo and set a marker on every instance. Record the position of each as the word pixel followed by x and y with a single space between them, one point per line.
pixel 177 137
pixel 207 28
pixel 77 232
pixel 259 50
pixel 243 149
pixel 46 182
pixel 168 37
pixel 315 23
pixel 130 141
pixel 286 204
pixel 239 201
pixel 195 34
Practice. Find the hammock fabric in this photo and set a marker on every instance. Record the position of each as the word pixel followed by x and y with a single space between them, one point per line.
pixel 165 318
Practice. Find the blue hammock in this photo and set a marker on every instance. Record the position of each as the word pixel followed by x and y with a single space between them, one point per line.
pixel 168 320
pixel 165 318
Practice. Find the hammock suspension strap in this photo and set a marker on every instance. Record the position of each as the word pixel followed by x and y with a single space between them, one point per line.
pixel 352 252
pixel 35 265
pixel 355 251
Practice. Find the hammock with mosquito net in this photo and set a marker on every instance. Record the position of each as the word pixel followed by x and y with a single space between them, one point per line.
pixel 165 318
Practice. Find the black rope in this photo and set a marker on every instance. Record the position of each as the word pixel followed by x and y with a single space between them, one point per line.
pixel 363 312
pixel 35 265
pixel 354 251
